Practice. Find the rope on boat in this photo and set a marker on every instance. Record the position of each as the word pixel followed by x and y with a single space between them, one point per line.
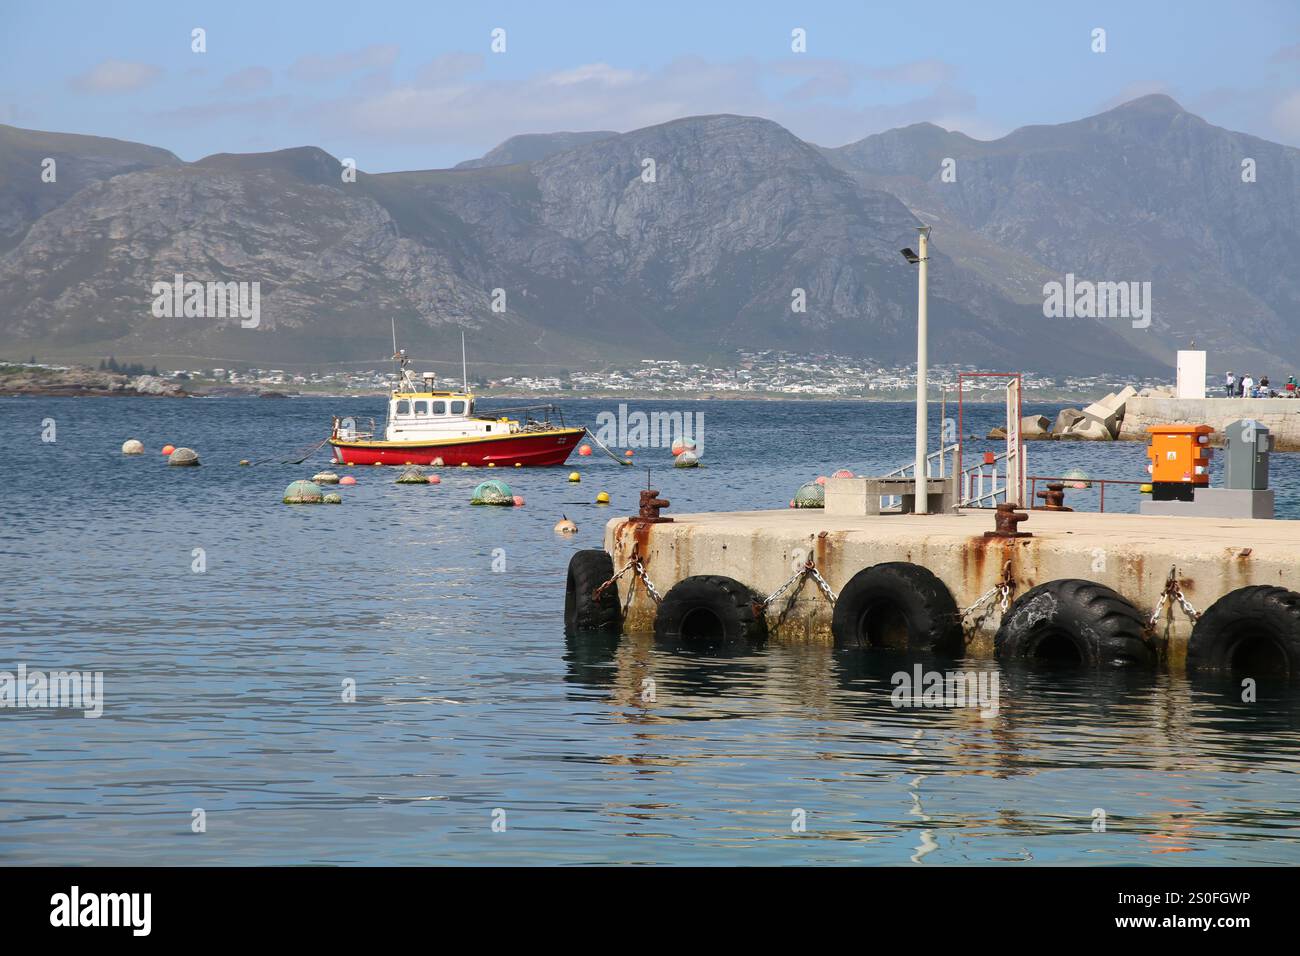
pixel 601 446
pixel 292 461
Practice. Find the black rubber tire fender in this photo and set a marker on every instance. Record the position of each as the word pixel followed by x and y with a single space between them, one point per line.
pixel 588 570
pixel 897 604
pixel 1072 617
pixel 710 609
pixel 1255 628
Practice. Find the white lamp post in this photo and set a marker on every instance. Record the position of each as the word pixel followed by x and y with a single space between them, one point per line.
pixel 921 259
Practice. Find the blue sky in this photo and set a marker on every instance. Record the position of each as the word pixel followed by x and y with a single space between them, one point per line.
pixel 412 85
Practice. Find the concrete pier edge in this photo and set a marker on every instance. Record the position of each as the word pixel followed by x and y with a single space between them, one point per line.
pixel 1132 554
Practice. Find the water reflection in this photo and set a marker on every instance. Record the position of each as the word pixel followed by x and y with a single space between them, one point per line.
pixel 1131 765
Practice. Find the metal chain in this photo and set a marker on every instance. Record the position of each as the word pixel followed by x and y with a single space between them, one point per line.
pixel 1175 591
pixel 638 569
pixel 645 579
pixel 808 569
pixel 821 583
pixel 600 590
pixel 1002 589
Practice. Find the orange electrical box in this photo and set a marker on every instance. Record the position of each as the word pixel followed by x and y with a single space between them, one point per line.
pixel 1180 453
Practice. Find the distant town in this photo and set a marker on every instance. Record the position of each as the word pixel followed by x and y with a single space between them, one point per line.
pixel 753 374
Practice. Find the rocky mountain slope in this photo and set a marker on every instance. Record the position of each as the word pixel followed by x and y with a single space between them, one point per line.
pixel 530 147
pixel 26 189
pixel 1146 191
pixel 595 259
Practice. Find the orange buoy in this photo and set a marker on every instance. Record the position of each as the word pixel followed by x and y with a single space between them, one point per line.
pixel 519 501
pixel 347 480
pixel 168 449
pixel 435 480
pixel 628 453
pixel 821 479
pixel 584 451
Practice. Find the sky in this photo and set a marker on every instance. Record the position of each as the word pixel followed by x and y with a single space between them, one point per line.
pixel 418 85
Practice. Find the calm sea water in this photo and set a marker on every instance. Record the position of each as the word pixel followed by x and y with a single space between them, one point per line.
pixel 224 688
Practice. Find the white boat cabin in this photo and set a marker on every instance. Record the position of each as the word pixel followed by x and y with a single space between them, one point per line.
pixel 429 416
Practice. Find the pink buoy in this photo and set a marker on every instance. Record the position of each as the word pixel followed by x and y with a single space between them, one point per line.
pixel 519 501
pixel 435 480
pixel 843 473
pixel 347 480
pixel 821 479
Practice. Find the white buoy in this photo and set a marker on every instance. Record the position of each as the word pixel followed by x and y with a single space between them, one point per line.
pixel 132 446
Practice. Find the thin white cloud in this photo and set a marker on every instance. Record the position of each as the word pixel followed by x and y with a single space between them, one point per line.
pixel 448 68
pixel 1286 116
pixel 253 79
pixel 812 97
pixel 601 74
pixel 322 69
pixel 115 76
pixel 1286 54
pixel 264 108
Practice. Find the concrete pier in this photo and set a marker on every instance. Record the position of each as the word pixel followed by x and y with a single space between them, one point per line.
pixel 1280 415
pixel 1132 554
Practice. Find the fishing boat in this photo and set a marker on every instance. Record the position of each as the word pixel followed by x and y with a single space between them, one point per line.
pixel 427 425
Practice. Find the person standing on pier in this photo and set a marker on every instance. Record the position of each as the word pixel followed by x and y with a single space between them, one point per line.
pixel 1230 384
pixel 1247 386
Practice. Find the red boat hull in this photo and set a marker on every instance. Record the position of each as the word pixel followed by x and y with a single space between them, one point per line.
pixel 529 449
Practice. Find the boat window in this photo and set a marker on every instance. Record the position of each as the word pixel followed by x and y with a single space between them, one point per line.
pixel 403 407
pixel 458 408
pixel 440 408
pixel 421 408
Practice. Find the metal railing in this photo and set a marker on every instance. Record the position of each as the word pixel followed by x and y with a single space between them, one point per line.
pixel 349 428
pixel 981 483
pixel 1088 482
pixel 550 413
pixel 936 460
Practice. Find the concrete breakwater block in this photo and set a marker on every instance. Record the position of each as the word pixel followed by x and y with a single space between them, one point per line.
pixel 1035 428
pixel 1088 429
pixel 1065 418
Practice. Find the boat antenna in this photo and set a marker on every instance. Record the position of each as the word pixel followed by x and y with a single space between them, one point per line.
pixel 464 369
pixel 399 356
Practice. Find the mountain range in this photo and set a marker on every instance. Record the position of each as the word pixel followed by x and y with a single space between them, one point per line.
pixel 692 238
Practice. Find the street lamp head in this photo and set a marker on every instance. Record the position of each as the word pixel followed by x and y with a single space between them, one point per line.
pixel 910 256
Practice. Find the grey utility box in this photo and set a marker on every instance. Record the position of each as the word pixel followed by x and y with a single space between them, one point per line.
pixel 1245 454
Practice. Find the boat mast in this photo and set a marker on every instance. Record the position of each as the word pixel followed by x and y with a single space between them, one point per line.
pixel 399 356
pixel 464 369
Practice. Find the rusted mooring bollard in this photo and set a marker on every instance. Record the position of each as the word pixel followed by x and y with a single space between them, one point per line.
pixel 650 505
pixel 1054 498
pixel 1006 518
